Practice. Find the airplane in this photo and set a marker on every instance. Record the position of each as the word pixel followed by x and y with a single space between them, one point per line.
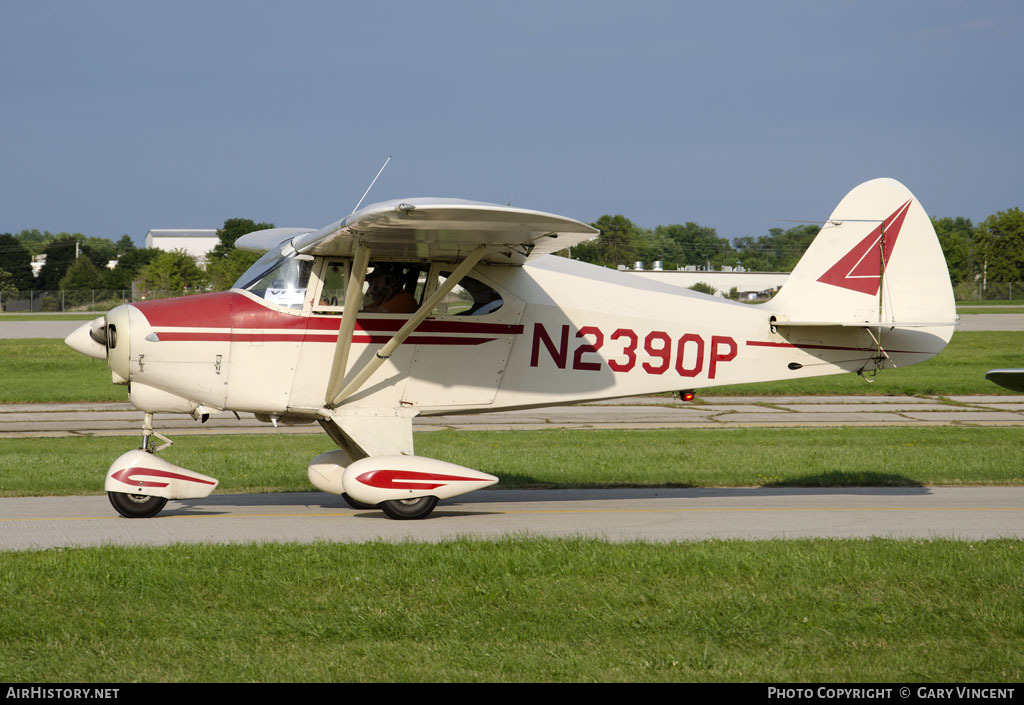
pixel 1012 378
pixel 425 306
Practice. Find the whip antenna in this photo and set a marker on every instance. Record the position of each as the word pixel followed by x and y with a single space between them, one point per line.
pixel 371 185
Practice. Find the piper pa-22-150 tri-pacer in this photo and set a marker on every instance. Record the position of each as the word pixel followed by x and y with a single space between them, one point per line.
pixel 438 306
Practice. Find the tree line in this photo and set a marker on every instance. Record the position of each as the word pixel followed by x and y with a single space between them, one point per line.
pixel 622 242
pixel 980 257
pixel 983 259
pixel 75 262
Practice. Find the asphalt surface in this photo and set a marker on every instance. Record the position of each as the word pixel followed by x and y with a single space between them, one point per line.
pixel 974 513
pixel 121 419
pixel 11 328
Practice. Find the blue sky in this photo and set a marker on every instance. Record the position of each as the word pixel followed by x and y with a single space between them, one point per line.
pixel 118 117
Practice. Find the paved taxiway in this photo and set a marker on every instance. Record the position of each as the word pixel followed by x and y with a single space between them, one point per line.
pixel 120 419
pixel 973 513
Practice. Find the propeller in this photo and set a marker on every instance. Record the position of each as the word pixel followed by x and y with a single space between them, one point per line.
pixel 98 330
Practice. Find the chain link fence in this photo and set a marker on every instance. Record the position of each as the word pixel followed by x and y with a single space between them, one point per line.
pixel 77 301
pixel 988 291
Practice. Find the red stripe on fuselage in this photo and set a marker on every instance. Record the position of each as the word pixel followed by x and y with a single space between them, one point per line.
pixel 232 310
pixel 273 337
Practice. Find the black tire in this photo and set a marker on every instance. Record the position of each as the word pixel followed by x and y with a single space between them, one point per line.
pixel 417 508
pixel 356 505
pixel 136 506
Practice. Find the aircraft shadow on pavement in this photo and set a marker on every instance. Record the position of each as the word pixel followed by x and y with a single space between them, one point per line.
pixel 839 480
pixel 591 494
pixel 208 506
pixel 818 485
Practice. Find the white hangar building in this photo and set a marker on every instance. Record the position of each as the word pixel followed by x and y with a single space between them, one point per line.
pixel 197 243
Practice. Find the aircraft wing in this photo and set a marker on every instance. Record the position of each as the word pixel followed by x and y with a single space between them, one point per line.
pixel 438 229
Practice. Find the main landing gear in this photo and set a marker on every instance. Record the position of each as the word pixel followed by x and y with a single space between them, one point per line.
pixel 136 506
pixel 409 508
pixel 418 508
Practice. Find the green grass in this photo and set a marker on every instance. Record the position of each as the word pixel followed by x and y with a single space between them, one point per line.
pixel 994 309
pixel 990 302
pixel 517 610
pixel 42 370
pixel 901 456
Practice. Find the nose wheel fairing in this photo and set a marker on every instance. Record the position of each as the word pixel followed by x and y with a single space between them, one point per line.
pixel 140 473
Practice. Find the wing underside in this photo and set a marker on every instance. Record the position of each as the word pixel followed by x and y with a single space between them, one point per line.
pixel 438 229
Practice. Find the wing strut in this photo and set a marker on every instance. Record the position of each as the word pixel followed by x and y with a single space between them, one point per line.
pixel 385 352
pixel 353 296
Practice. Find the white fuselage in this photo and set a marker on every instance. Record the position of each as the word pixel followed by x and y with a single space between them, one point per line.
pixel 566 332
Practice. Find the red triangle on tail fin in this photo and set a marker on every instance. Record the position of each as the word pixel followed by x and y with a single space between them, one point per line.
pixel 859 269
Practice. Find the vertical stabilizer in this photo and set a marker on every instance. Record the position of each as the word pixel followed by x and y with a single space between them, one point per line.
pixel 876 260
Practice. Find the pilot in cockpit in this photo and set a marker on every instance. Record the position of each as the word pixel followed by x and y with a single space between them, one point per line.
pixel 386 293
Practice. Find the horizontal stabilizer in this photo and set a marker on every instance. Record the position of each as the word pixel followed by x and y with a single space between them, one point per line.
pixel 858 324
pixel 1011 379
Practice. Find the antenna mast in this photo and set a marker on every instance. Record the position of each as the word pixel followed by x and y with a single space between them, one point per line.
pixel 371 185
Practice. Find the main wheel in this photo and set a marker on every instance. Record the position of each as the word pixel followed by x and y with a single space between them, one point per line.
pixel 409 508
pixel 136 506
pixel 356 505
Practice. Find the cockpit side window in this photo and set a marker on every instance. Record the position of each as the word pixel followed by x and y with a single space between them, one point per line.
pixel 393 287
pixel 470 297
pixel 332 293
pixel 388 287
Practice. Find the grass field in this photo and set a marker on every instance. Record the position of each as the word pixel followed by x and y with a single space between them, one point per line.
pixel 518 610
pixel 43 370
pixel 47 371
pixel 992 309
pixel 989 302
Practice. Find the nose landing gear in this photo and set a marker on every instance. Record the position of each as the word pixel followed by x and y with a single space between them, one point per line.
pixel 139 483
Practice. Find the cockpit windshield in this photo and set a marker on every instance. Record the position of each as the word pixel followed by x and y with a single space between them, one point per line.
pixel 280 279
